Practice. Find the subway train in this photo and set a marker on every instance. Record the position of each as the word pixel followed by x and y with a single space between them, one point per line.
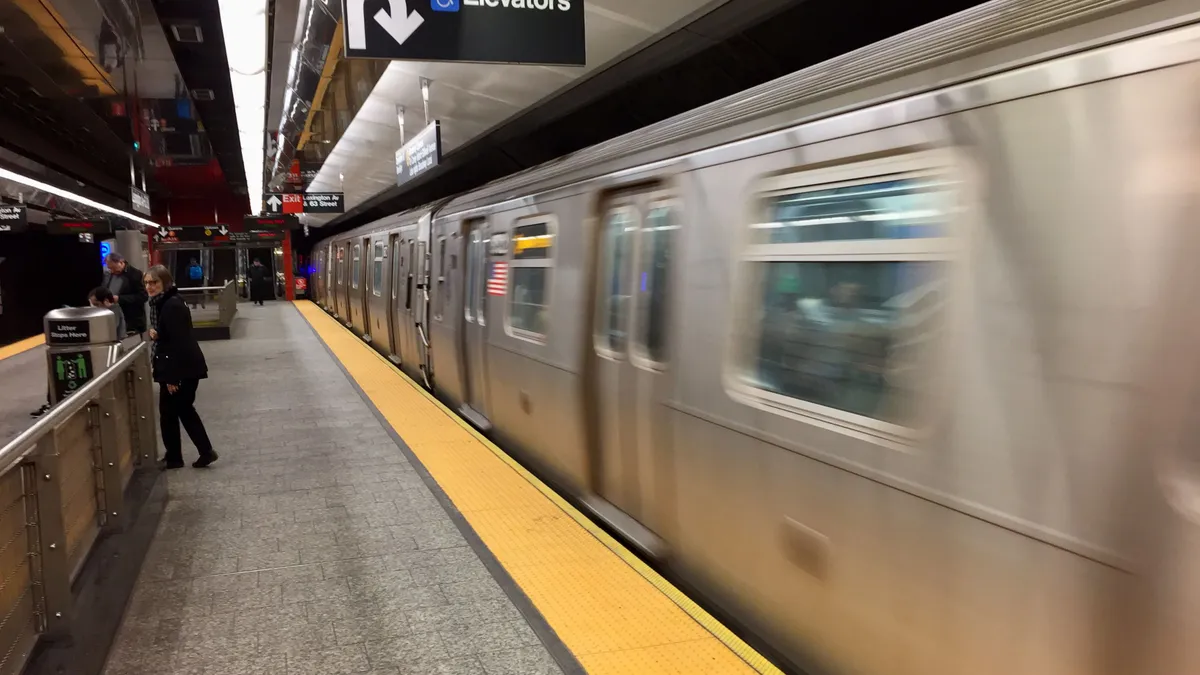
pixel 892 359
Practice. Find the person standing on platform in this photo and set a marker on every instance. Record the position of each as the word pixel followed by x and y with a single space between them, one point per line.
pixel 196 280
pixel 103 298
pixel 125 282
pixel 196 273
pixel 260 283
pixel 179 366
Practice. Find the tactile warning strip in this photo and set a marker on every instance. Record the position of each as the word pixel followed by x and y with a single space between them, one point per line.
pixel 615 613
pixel 22 346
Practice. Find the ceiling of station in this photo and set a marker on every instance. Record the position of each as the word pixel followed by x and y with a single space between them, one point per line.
pixel 283 30
pixel 196 40
pixel 470 99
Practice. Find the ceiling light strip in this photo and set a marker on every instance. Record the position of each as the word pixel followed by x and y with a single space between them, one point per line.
pixel 67 194
pixel 244 23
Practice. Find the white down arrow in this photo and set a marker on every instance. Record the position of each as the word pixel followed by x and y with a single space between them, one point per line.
pixel 400 24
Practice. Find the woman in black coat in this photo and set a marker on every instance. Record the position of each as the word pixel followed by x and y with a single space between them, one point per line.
pixel 178 368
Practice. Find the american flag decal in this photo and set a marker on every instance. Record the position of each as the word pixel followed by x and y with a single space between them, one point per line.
pixel 497 283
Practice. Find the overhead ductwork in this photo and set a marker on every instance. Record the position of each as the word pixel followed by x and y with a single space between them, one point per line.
pixel 315 32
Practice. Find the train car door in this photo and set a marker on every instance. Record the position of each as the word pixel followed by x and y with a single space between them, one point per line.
pixel 365 280
pixel 327 276
pixel 393 295
pixel 474 331
pixel 636 245
pixel 318 282
pixel 402 311
pixel 342 301
pixel 410 314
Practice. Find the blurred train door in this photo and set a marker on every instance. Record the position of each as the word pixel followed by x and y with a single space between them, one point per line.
pixel 633 467
pixel 327 264
pixel 366 281
pixel 393 299
pixel 475 322
pixel 343 290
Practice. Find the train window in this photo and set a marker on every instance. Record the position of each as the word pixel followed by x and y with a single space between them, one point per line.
pixel 356 266
pixel 377 272
pixel 620 229
pixel 412 263
pixel 532 260
pixel 850 296
pixel 341 266
pixel 654 255
pixel 439 298
pixel 472 276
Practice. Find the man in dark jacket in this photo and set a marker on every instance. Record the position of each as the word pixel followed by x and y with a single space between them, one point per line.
pixel 125 282
pixel 260 283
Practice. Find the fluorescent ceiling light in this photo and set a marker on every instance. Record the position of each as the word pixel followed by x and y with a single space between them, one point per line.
pixel 66 194
pixel 244 23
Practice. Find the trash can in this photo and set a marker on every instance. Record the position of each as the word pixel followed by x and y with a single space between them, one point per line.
pixel 81 343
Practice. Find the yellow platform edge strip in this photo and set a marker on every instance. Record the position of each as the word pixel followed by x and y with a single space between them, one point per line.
pixel 321 322
pixel 21 346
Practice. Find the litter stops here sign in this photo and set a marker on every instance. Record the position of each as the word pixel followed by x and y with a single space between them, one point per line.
pixel 545 32
pixel 69 333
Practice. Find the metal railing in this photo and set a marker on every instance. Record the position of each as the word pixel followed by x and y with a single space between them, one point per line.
pixel 228 299
pixel 62 484
pixel 225 296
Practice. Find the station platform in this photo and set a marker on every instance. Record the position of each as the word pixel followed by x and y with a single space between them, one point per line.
pixel 354 525
pixel 23 373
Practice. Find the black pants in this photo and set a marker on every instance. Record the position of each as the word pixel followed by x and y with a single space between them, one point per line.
pixel 177 408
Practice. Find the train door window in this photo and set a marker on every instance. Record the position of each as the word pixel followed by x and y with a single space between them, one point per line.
pixel 396 262
pixel 377 272
pixel 341 266
pixel 408 297
pixel 655 244
pixel 847 296
pixel 356 266
pixel 532 262
pixel 439 299
pixel 620 230
pixel 472 278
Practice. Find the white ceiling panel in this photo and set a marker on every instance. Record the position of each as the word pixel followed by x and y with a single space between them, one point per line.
pixel 469 99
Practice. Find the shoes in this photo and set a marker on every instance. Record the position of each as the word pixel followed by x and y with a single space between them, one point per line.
pixel 40 411
pixel 206 460
pixel 167 466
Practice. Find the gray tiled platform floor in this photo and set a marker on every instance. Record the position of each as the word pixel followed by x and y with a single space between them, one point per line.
pixel 22 390
pixel 312 547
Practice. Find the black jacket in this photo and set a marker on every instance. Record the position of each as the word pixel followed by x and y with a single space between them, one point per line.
pixel 132 299
pixel 177 355
pixel 260 283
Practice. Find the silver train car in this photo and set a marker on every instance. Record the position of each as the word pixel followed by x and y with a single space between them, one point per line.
pixel 891 358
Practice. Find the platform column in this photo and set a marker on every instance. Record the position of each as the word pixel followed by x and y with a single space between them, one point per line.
pixel 288 276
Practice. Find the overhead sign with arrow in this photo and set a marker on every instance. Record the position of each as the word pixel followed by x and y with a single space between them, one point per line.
pixel 192 234
pixel 544 32
pixel 277 203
